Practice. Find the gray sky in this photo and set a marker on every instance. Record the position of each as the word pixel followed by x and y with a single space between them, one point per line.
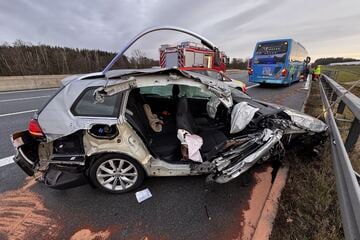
pixel 324 27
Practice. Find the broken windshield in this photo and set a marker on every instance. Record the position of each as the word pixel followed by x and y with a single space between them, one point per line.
pixel 236 93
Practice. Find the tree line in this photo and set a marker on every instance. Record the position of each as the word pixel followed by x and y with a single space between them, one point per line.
pixel 326 61
pixel 238 63
pixel 21 58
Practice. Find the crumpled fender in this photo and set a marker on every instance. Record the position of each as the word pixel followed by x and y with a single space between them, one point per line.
pixel 305 121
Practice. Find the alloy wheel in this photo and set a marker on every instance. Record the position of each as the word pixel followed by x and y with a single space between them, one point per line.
pixel 117 174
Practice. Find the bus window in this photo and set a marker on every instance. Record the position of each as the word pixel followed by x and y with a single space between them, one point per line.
pixel 271 52
pixel 294 55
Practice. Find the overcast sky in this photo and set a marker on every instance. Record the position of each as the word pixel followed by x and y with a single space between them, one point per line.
pixel 324 27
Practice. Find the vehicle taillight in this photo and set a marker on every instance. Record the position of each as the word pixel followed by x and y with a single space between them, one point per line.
pixel 250 71
pixel 35 129
pixel 284 72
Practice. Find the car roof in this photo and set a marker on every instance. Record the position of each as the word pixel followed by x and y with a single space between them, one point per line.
pixel 118 73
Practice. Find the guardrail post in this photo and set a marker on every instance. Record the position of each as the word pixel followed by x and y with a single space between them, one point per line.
pixel 353 135
pixel 336 75
pixel 341 107
pixel 333 96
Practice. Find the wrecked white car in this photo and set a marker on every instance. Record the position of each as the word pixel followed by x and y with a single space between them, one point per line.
pixel 115 127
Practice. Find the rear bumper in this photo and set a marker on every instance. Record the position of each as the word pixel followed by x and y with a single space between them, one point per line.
pixel 56 176
pixel 26 156
pixel 24 163
pixel 268 80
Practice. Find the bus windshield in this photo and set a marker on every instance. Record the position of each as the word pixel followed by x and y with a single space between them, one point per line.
pixel 271 52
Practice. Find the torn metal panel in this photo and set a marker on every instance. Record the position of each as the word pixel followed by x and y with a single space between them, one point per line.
pixel 110 90
pixel 230 166
pixel 212 105
pixel 305 121
pixel 219 88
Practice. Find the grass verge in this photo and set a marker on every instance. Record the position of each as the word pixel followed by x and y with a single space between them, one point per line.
pixel 343 74
pixel 308 207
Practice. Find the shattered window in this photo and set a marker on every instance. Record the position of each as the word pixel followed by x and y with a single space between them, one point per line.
pixel 86 105
pixel 236 93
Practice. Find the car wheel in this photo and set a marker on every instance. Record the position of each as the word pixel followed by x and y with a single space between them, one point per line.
pixel 116 173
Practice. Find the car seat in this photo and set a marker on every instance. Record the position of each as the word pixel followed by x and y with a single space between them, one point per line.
pixel 213 139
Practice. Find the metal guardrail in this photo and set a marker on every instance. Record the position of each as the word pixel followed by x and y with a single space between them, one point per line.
pixel 346 179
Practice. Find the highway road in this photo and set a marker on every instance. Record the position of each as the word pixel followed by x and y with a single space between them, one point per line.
pixel 181 207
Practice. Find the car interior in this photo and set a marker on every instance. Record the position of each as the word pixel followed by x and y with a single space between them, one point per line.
pixel 179 107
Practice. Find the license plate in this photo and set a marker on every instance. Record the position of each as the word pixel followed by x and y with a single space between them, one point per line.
pixel 18 142
pixel 267 71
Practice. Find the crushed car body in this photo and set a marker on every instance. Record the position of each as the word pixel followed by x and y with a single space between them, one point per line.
pixel 113 128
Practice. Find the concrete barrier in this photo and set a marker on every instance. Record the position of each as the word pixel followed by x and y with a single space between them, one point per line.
pixel 11 83
pixel 236 71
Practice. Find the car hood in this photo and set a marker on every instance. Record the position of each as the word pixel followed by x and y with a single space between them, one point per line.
pixel 300 119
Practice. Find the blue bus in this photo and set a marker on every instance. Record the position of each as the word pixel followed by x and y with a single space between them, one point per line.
pixel 278 62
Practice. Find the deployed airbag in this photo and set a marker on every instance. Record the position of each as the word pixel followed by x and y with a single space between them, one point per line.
pixel 241 116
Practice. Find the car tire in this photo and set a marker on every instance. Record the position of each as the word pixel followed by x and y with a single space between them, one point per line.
pixel 116 173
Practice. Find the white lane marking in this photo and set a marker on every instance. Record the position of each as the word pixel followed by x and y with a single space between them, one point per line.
pixel 6 161
pixel 252 86
pixel 30 90
pixel 26 98
pixel 17 113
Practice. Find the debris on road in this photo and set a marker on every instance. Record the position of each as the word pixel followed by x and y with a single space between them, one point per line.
pixel 207 212
pixel 86 234
pixel 23 215
pixel 143 195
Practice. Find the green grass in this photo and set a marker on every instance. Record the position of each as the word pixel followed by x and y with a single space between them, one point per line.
pixel 342 74
pixel 308 207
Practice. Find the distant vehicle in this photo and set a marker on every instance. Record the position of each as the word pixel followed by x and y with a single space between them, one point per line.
pixel 219 75
pixel 191 54
pixel 278 62
pixel 248 67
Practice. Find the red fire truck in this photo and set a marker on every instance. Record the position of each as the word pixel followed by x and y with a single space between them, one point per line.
pixel 191 54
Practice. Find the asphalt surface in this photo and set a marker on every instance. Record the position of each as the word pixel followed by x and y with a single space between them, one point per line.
pixel 15 102
pixel 181 207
